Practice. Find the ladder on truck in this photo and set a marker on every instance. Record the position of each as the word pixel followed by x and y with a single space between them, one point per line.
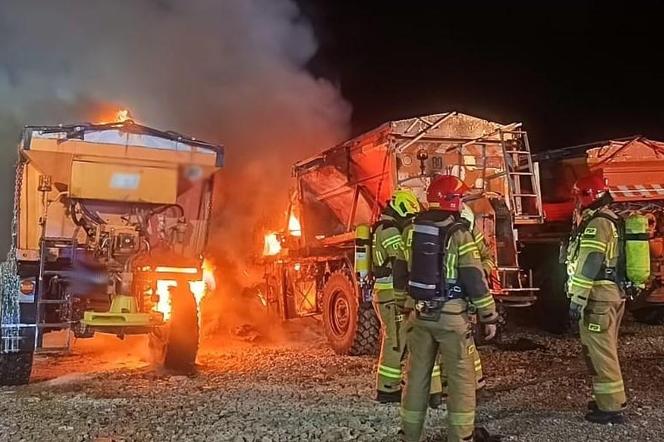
pixel 47 248
pixel 504 160
pixel 524 195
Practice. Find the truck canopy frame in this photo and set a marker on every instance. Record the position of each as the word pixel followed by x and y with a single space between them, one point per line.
pixel 347 185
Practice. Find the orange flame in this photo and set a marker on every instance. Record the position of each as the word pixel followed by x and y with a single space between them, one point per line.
pixel 122 115
pixel 198 288
pixel 272 245
pixel 294 226
pixel 109 115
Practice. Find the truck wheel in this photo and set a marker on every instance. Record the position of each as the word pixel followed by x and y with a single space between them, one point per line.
pixel 175 345
pixel 351 328
pixel 15 368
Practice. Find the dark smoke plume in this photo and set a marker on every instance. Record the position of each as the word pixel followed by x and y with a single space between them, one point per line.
pixel 231 71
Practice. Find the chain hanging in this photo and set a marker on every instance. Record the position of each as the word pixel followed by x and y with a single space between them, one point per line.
pixel 9 279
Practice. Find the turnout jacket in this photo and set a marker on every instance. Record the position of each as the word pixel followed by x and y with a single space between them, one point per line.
pixel 592 257
pixel 462 264
pixel 389 262
pixel 486 255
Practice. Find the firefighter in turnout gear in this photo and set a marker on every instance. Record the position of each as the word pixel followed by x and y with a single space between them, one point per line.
pixel 489 266
pixel 485 252
pixel 597 301
pixel 446 277
pixel 391 271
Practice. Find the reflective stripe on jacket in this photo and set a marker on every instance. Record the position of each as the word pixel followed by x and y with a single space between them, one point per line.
pixel 589 253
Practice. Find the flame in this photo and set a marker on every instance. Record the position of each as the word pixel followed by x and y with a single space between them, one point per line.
pixel 110 115
pixel 294 226
pixel 164 304
pixel 122 115
pixel 198 288
pixel 272 245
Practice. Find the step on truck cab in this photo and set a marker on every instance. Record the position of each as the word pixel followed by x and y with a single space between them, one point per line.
pixel 110 222
pixel 310 265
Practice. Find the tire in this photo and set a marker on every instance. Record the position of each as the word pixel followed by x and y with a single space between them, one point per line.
pixel 351 328
pixel 15 368
pixel 650 316
pixel 175 345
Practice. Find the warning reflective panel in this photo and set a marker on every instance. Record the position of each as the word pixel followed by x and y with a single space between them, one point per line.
pixel 125 181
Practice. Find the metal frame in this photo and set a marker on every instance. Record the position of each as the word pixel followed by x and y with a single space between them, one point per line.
pixel 74 131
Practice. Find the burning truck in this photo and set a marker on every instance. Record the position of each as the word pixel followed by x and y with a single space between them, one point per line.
pixel 320 263
pixel 110 222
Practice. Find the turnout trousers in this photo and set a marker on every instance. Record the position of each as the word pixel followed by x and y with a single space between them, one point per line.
pixel 451 338
pixel 393 343
pixel 598 329
pixel 480 381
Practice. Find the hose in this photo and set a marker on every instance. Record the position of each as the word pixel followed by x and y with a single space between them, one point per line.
pixel 164 208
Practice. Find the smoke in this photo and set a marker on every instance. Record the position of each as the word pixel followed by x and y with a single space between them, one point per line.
pixel 229 71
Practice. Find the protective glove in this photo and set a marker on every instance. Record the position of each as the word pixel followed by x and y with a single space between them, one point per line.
pixel 575 312
pixel 490 331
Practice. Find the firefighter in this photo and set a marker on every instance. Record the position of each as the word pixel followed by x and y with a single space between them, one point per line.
pixel 407 305
pixel 446 276
pixel 597 301
pixel 391 271
pixel 486 256
pixel 468 216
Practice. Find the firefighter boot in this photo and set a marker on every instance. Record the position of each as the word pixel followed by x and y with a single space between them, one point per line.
pixel 388 398
pixel 435 400
pixel 605 417
pixel 388 378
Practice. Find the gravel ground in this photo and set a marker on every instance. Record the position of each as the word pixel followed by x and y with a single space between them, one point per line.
pixel 298 389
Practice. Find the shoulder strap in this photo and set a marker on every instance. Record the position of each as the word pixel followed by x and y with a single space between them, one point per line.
pixel 385 224
pixel 621 262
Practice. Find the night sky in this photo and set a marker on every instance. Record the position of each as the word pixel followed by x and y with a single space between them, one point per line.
pixel 571 72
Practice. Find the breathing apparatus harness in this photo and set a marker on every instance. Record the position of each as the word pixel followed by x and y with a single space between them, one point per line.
pixel 632 267
pixel 428 278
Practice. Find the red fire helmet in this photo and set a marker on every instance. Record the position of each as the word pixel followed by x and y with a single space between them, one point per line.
pixel 589 189
pixel 445 193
